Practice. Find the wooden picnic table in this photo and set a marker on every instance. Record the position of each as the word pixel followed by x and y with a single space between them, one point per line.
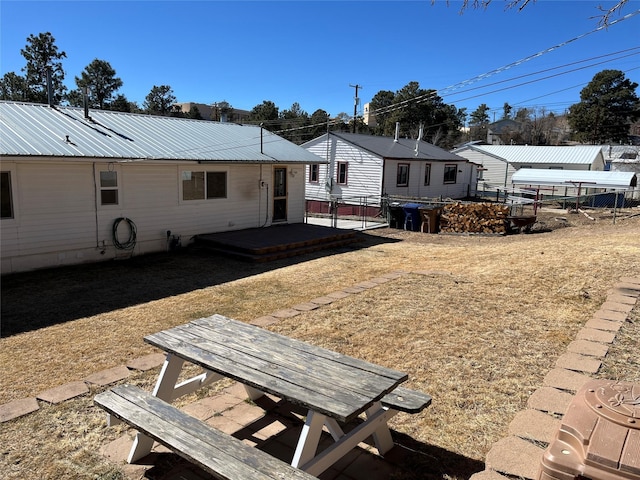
pixel 334 388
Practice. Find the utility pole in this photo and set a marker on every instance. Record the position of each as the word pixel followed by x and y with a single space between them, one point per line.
pixel 356 101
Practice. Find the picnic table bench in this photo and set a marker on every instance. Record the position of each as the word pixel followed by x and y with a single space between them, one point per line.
pixel 334 388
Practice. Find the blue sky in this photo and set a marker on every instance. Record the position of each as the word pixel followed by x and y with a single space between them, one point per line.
pixel 310 52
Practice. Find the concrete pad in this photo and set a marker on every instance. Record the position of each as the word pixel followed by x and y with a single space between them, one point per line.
pixel 118 450
pixel 211 406
pixel 306 307
pixel 270 430
pixel 585 347
pixel 626 299
pixel 534 425
pixel 594 335
pixel 323 300
pixel 516 457
pixel 338 295
pixel 488 475
pixel 628 286
pixel 111 375
pixel 147 362
pixel 564 379
pixel 601 324
pixel 353 289
pixel 616 307
pixel 579 363
pixel 631 280
pixel 63 392
pixel 380 280
pixel 366 285
pixel 244 413
pixel 286 313
pixel 264 321
pixel 627 292
pixel 610 315
pixel 18 408
pixel 224 424
pixel 552 400
pixel 237 390
pixel 396 274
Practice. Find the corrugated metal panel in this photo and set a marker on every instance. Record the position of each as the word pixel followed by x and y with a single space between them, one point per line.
pixel 40 130
pixel 526 154
pixel 592 179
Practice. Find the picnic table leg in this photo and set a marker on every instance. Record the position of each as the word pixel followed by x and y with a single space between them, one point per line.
pixel 382 435
pixel 309 438
pixel 164 390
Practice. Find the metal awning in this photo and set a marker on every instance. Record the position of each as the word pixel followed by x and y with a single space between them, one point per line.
pixel 564 178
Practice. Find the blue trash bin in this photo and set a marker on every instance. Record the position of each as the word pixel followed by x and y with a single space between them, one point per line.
pixel 412 218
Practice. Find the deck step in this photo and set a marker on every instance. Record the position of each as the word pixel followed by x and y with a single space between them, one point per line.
pixel 274 243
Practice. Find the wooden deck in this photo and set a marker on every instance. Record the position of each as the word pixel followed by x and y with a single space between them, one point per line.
pixel 276 242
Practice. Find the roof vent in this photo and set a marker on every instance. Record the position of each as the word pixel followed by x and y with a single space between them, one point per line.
pixel 395 139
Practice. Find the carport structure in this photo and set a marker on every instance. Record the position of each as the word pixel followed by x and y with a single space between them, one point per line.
pixel 576 180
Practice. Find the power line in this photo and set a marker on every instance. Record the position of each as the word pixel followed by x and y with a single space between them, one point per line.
pixel 477 78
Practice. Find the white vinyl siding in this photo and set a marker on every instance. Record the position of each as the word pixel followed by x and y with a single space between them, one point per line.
pixel 59 219
pixel 364 172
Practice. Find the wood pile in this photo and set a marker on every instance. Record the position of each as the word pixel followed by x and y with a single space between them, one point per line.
pixel 474 218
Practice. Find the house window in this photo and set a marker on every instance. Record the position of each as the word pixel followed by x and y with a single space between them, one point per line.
pixel 7 197
pixel 203 185
pixel 427 174
pixel 109 188
pixel 314 169
pixel 402 178
pixel 342 173
pixel 450 173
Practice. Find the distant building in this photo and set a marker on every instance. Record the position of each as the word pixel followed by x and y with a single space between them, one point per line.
pixel 218 112
pixel 369 118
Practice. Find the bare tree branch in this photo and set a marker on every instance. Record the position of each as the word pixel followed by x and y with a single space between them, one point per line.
pixel 604 19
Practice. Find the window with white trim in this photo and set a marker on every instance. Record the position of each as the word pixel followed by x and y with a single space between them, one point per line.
pixel 109 187
pixel 427 174
pixel 450 173
pixel 203 185
pixel 342 173
pixel 6 195
pixel 314 170
pixel 402 175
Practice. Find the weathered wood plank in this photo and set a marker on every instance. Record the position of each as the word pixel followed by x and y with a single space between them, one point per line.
pixel 322 398
pixel 297 362
pixel 328 382
pixel 216 452
pixel 405 400
pixel 218 321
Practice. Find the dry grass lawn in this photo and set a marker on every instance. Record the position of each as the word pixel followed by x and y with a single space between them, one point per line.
pixel 478 328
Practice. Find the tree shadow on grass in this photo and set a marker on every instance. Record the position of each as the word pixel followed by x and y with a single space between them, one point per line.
pixel 34 300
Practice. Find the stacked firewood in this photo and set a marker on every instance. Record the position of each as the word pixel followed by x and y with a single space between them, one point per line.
pixel 474 218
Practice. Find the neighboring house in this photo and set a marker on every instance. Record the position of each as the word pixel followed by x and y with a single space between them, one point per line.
pixel 498 132
pixel 499 162
pixel 80 188
pixel 623 158
pixel 362 168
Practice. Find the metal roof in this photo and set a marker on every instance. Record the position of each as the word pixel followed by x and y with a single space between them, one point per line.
pixel 403 149
pixel 568 178
pixel 536 155
pixel 37 130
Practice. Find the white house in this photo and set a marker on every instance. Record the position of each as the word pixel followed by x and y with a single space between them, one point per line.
pixel 366 167
pixel 499 162
pixel 86 186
